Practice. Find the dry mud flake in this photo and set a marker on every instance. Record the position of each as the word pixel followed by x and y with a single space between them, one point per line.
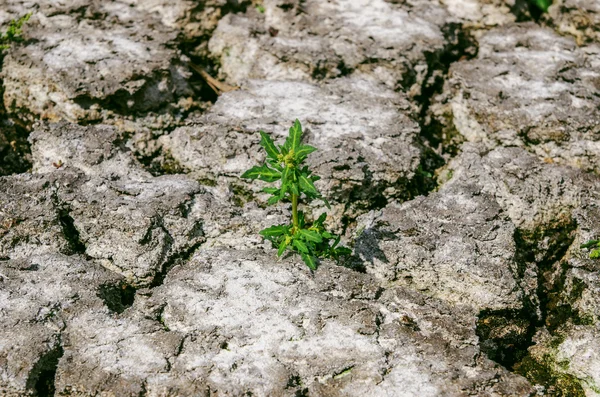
pixel 71 68
pixel 528 87
pixel 236 322
pixel 479 14
pixel 579 18
pixel 369 146
pixel 502 235
pixel 39 295
pixel 311 40
pixel 460 243
pixel 90 196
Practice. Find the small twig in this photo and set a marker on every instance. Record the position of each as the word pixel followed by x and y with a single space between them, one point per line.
pixel 217 86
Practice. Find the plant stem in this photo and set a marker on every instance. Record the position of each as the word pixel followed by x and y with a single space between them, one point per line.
pixel 295 210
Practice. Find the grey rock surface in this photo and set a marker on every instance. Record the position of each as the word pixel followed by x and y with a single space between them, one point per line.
pixel 311 40
pixel 460 242
pixel 527 87
pixel 240 322
pixel 579 18
pixel 459 149
pixel 39 296
pixel 456 244
pixel 88 61
pixel 479 14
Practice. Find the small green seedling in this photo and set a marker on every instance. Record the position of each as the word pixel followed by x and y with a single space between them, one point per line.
pixel 14 31
pixel 594 246
pixel 284 163
pixel 543 5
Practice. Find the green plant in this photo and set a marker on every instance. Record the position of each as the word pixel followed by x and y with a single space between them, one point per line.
pixel 284 163
pixel 541 4
pixel 594 246
pixel 13 33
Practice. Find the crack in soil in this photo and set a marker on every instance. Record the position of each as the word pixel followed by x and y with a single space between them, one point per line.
pixel 41 380
pixel 15 150
pixel 461 46
pixel 507 336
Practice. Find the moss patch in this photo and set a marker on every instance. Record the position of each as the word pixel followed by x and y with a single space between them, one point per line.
pixel 544 371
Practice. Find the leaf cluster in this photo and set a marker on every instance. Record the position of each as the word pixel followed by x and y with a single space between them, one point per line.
pixel 594 246
pixel 285 163
pixel 311 242
pixel 14 31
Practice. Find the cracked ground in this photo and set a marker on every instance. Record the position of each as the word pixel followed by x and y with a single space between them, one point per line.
pixel 459 147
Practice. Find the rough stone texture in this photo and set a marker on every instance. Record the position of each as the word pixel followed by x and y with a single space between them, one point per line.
pixel 88 61
pixel 369 146
pixel 118 281
pixel 580 349
pixel 14 150
pixel 38 297
pixel 528 87
pixel 33 225
pixel 570 349
pixel 238 322
pixel 532 193
pixel 455 244
pixel 132 222
pixel 580 18
pixel 477 14
pixel 311 40
pixel 460 243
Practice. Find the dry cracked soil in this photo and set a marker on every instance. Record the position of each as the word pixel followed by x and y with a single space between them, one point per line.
pixel 459 147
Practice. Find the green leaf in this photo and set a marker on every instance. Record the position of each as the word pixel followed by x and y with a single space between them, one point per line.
pixel 13 33
pixel 272 200
pixel 327 235
pixel 309 260
pixel 543 4
pixel 595 254
pixel 310 235
pixel 336 242
pixel 285 181
pixel 284 243
pixel 274 231
pixel 301 246
pixel 341 251
pixel 301 219
pixel 589 244
pixel 321 220
pixel 269 145
pixel 263 173
pixel 307 186
pixel 325 202
pixel 295 136
pixel 271 190
pixel 303 151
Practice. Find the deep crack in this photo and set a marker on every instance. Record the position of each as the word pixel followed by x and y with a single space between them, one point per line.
pixel 508 336
pixel 41 380
pixel 117 297
pixel 460 46
pixel 76 246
